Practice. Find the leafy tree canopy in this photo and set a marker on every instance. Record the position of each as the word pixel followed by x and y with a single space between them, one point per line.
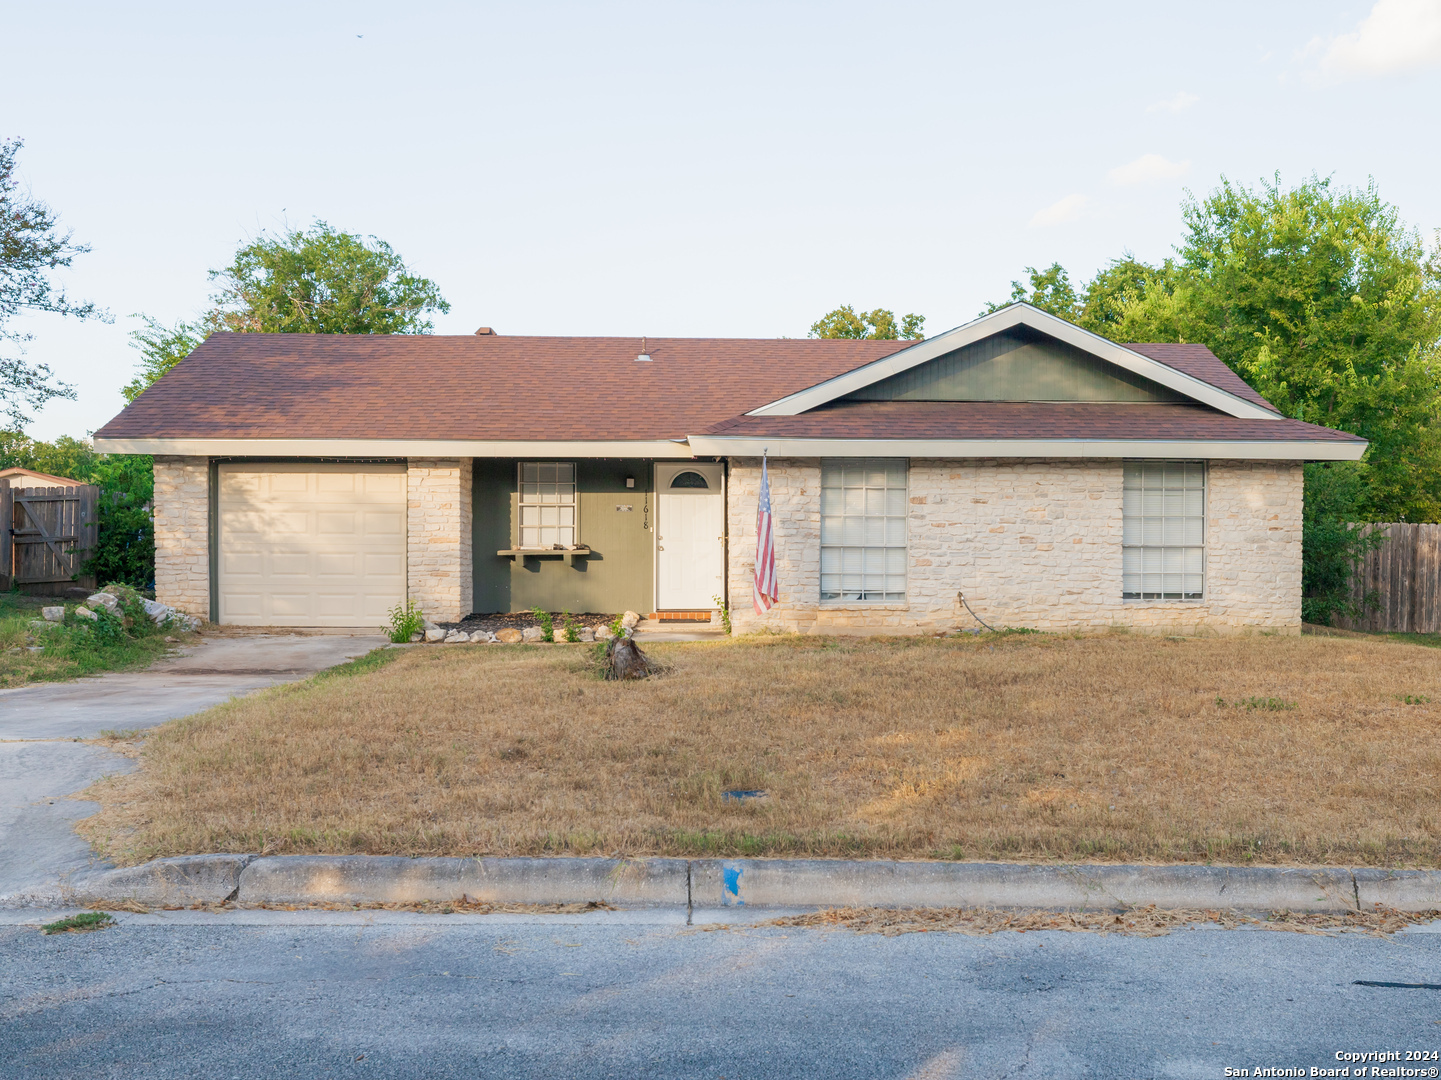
pixel 317 281
pixel 880 324
pixel 32 248
pixel 322 281
pixel 161 348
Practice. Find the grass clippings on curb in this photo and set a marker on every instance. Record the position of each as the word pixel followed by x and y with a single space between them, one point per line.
pixel 78 924
pixel 1149 921
pixel 463 906
pixel 1110 748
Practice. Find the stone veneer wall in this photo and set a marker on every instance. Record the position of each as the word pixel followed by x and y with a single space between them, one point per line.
pixel 182 533
pixel 1032 543
pixel 441 575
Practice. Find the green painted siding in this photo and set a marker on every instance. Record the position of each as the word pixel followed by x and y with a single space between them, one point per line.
pixel 1016 365
pixel 620 575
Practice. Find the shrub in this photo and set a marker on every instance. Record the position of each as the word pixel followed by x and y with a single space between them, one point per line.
pixel 405 622
pixel 547 624
pixel 572 629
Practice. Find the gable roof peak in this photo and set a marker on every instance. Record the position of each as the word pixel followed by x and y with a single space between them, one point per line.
pixel 1021 313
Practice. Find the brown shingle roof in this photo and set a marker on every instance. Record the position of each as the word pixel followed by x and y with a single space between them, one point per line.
pixel 1201 363
pixel 477 387
pixel 1020 420
pixel 496 387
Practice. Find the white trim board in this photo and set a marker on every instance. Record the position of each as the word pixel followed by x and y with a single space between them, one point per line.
pixel 1018 314
pixel 399 448
pixel 1232 449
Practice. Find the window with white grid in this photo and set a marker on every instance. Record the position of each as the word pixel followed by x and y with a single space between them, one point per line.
pixel 1163 547
pixel 547 503
pixel 863 529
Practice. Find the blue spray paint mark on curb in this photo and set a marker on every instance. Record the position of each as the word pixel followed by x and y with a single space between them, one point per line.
pixel 732 876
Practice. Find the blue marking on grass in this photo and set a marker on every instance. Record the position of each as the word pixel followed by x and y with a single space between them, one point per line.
pixel 737 796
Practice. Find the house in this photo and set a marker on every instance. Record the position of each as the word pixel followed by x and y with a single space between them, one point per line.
pixel 29 478
pixel 1016 467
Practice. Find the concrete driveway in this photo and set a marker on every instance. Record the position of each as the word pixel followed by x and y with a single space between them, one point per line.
pixel 42 759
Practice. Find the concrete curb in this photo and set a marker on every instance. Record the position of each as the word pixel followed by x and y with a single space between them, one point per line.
pixel 348 879
pixel 186 880
pixel 752 883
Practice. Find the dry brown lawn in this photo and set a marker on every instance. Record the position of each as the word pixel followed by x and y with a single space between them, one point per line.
pixel 1107 748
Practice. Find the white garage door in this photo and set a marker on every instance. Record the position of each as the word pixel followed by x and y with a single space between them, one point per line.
pixel 311 545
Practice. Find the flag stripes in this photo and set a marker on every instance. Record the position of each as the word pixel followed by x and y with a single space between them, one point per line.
pixel 764 591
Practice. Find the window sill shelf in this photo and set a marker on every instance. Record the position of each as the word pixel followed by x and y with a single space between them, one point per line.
pixel 568 554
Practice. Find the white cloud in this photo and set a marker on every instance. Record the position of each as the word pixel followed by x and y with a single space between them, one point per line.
pixel 1148 167
pixel 1183 99
pixel 1398 35
pixel 1066 209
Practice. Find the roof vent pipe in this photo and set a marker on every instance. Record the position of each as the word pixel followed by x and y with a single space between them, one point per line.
pixel 485 331
pixel 644 352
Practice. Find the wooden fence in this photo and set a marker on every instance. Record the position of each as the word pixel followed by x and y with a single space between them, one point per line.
pixel 1405 575
pixel 46 534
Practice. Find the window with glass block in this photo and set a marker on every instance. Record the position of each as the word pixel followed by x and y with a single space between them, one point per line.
pixel 863 529
pixel 1163 548
pixel 547 503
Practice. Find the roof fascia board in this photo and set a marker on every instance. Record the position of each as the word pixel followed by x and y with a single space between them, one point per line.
pixel 1018 314
pixel 396 448
pixel 1247 449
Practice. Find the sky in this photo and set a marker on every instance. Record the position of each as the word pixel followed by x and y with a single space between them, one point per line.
pixel 682 169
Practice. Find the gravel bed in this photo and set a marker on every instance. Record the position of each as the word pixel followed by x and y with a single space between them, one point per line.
pixel 519 620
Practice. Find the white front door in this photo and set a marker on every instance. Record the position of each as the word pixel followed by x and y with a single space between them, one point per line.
pixel 690 536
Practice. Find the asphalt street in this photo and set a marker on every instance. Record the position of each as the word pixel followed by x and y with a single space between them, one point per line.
pixel 311 994
pixel 42 761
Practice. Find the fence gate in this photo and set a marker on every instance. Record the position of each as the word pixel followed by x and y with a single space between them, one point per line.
pixel 49 532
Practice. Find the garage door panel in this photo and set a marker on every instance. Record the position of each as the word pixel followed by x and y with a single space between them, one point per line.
pixel 246 604
pixel 384 484
pixel 281 483
pixel 382 566
pixel 380 524
pixel 287 564
pixel 336 604
pixel 335 482
pixel 311 545
pixel 333 564
pixel 376 609
pixel 240 564
pixel 296 522
pixel 284 604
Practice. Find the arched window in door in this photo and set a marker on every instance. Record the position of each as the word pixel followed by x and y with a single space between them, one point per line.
pixel 688 480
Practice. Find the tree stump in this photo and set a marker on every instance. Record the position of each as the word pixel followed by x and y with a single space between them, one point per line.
pixel 624 660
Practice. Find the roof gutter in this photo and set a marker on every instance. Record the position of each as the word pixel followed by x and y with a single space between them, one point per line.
pixel 1234 449
pixel 398 448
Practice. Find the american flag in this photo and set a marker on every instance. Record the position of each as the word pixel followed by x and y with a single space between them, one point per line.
pixel 764 592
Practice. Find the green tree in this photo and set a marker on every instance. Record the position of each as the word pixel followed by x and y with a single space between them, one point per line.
pixel 880 324
pixel 32 248
pixel 322 281
pixel 1323 301
pixel 1049 289
pixel 74 459
pixel 161 348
